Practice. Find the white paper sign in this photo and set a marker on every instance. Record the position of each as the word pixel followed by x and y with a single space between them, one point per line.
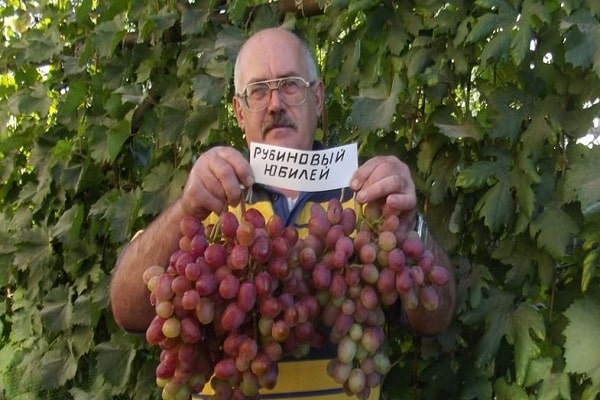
pixel 306 171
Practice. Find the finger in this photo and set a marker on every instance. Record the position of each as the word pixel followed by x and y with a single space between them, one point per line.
pixel 362 174
pixel 239 164
pixel 398 203
pixel 231 171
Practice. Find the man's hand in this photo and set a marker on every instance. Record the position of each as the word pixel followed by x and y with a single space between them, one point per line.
pixel 215 181
pixel 386 178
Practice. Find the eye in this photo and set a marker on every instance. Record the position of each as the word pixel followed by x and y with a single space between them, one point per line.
pixel 257 90
pixel 291 85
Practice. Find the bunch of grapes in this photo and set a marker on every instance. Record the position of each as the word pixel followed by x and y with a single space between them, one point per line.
pixel 232 302
pixel 357 275
pixel 240 295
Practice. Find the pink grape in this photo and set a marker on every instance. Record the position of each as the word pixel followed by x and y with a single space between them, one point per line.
pixel 274 226
pixel 246 296
pixel 228 224
pixel 205 311
pixel 280 331
pixel 233 317
pixel 239 256
pixel 413 247
pixel 439 275
pixel 345 245
pixel 369 273
pixel 225 368
pixel 254 216
pixel 396 259
pixel 190 299
pixel 404 281
pixel 164 309
pixel 207 284
pixel 429 298
pixel 417 275
pixel 357 380
pixel 180 284
pixel 368 297
pixel 321 276
pixel 387 240
pixel 245 233
pixel 368 253
pixel 190 226
pixel 263 283
pixel 154 333
pixel 198 245
pixel 151 272
pixel 228 286
pixel 261 249
pixel 348 220
pixel 215 255
pixel 386 280
pixel 190 330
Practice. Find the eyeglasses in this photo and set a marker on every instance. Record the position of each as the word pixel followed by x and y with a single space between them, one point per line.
pixel 293 89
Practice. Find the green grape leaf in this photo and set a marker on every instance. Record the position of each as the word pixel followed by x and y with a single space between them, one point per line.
pixel 553 240
pixel 69 225
pixel 115 362
pixel 525 325
pixel 57 367
pixel 508 391
pixel 477 174
pixel 578 182
pixel 373 113
pixel 582 353
pixel 57 311
pixel 496 206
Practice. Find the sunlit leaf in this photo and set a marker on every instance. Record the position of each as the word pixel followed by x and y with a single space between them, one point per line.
pixel 509 391
pixel 579 183
pixel 582 354
pixel 108 35
pixel 468 129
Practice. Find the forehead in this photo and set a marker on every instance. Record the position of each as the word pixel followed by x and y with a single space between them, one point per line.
pixel 271 55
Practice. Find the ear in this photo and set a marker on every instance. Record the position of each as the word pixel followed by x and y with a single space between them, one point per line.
pixel 238 108
pixel 319 97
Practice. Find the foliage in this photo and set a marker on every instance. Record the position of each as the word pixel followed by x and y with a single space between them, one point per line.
pixel 104 106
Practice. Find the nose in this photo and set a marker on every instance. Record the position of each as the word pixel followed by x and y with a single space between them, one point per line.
pixel 275 101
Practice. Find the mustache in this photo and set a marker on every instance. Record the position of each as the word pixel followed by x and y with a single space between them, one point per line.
pixel 279 120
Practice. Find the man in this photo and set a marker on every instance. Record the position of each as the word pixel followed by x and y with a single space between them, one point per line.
pixel 278 101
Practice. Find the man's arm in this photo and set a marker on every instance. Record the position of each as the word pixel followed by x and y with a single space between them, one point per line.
pixel 129 296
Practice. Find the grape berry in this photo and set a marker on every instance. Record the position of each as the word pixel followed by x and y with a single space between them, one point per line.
pixel 240 295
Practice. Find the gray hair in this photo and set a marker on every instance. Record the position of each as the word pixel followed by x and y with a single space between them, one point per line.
pixel 307 55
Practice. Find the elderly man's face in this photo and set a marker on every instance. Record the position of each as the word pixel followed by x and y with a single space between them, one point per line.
pixel 270 55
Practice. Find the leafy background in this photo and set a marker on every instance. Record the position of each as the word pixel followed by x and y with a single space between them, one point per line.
pixel 104 106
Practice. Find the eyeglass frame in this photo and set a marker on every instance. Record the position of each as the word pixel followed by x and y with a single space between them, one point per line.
pixel 244 95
